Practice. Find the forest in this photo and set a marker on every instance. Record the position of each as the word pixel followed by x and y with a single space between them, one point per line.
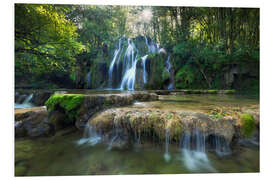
pixel 210 48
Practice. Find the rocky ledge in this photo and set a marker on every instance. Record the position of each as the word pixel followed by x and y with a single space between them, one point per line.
pixel 68 110
pixel 127 124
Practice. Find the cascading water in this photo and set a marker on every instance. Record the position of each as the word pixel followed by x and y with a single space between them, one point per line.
pixel 129 78
pixel 222 146
pixel 26 103
pixel 144 58
pixel 151 46
pixel 90 136
pixel 192 146
pixel 168 68
pixel 88 79
pixel 130 64
pixel 167 156
pixel 116 54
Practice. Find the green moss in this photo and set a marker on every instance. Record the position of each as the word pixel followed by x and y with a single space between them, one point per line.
pixel 70 103
pixel 212 91
pixel 229 91
pixel 248 125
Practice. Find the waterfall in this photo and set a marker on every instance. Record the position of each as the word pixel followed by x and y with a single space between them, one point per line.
pixel 144 58
pixel 151 46
pixel 26 103
pixel 116 53
pixel 167 156
pixel 28 98
pixel 128 80
pixel 222 146
pixel 90 136
pixel 88 80
pixel 168 69
pixel 192 146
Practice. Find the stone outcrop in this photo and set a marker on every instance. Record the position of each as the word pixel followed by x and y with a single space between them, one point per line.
pixel 95 103
pixel 156 122
pixel 33 124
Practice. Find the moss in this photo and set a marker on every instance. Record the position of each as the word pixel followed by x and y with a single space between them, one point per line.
pixel 70 103
pixel 248 125
pixel 212 91
pixel 229 91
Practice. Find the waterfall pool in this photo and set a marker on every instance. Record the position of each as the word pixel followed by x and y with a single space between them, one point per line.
pixel 69 152
pixel 62 155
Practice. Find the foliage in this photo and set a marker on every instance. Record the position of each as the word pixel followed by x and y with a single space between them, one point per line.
pixel 248 125
pixel 45 40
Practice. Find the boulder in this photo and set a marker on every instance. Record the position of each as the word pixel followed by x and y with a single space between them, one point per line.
pixel 33 124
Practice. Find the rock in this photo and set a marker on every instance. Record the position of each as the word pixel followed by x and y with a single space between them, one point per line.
pixel 57 119
pixel 157 122
pixel 40 97
pixel 33 124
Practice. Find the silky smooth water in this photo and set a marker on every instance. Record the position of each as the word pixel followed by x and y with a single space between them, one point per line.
pixel 63 156
pixel 77 154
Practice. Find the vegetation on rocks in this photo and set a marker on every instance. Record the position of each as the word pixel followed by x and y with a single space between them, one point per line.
pixel 248 125
pixel 68 103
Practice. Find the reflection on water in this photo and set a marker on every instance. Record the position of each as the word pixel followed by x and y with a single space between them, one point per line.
pixel 62 156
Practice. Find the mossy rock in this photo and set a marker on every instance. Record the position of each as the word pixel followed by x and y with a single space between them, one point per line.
pixel 69 103
pixel 248 125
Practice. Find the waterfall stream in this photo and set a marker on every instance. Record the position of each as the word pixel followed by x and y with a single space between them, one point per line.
pixel 26 103
pixel 168 68
pixel 167 156
pixel 192 146
pixel 116 54
pixel 90 136
pixel 144 58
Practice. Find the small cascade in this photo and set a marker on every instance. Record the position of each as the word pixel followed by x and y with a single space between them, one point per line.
pixel 116 136
pixel 28 99
pixel 26 103
pixel 222 146
pixel 167 156
pixel 151 46
pixel 88 80
pixel 168 68
pixel 128 80
pixel 192 146
pixel 144 58
pixel 90 136
pixel 116 54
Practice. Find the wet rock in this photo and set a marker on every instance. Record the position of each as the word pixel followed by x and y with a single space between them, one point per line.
pixel 33 124
pixel 156 122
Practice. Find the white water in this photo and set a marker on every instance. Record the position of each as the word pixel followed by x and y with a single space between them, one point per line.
pixel 193 150
pixel 144 58
pixel 90 136
pixel 116 53
pixel 151 46
pixel 167 156
pixel 129 78
pixel 168 69
pixel 26 103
